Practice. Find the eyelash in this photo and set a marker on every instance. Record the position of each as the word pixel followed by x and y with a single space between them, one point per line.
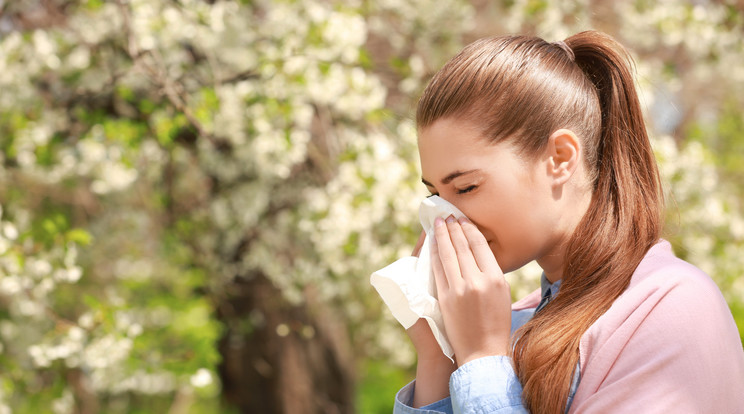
pixel 463 191
pixel 467 189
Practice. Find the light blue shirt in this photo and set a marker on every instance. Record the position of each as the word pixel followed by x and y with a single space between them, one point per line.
pixel 484 385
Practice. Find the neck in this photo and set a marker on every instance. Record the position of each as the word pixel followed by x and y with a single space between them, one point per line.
pixel 552 261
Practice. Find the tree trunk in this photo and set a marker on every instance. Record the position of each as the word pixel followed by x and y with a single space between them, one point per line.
pixel 282 358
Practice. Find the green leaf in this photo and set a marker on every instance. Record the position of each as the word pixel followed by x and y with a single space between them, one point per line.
pixel 79 236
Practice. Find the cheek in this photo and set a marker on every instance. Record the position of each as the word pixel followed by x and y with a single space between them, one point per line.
pixel 500 216
pixel 484 214
pixel 503 222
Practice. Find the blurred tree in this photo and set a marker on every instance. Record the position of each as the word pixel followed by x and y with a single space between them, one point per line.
pixel 200 147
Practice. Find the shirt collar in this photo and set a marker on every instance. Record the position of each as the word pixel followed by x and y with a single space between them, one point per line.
pixel 545 285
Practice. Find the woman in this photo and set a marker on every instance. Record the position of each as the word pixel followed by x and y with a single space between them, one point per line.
pixel 544 148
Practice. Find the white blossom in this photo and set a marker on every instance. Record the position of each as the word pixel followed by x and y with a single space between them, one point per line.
pixel 202 378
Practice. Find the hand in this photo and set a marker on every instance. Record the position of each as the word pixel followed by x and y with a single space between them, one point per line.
pixel 427 347
pixel 473 295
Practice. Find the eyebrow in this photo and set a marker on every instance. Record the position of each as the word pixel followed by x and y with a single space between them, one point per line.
pixel 449 178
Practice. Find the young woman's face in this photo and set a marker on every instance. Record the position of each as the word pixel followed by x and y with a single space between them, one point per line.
pixel 507 197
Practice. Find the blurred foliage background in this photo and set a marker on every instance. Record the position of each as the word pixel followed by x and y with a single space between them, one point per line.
pixel 193 193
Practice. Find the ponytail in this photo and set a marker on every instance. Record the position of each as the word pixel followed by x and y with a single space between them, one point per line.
pixel 623 221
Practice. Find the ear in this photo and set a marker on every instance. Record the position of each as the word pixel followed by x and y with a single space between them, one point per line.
pixel 564 153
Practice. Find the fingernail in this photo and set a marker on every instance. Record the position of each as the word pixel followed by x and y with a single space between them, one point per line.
pixel 438 222
pixel 463 220
pixel 450 219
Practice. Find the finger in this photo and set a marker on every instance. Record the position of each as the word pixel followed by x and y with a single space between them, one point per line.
pixel 447 254
pixel 419 244
pixel 484 257
pixel 440 279
pixel 460 243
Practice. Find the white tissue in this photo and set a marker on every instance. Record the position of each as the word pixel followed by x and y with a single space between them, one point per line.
pixel 407 286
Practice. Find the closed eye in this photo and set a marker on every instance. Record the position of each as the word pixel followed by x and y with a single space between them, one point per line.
pixel 467 189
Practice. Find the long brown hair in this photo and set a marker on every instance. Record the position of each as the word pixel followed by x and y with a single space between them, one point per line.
pixel 522 89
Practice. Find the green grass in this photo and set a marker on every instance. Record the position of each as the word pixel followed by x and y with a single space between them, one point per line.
pixel 379 382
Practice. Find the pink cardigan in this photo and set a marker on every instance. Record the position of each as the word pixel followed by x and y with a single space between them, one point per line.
pixel 667 345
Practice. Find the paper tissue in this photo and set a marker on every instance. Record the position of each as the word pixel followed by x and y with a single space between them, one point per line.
pixel 407 286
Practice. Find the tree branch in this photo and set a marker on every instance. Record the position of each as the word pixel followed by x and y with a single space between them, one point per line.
pixel 157 72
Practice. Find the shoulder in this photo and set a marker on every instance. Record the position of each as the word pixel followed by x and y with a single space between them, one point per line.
pixel 666 287
pixel 671 322
pixel 661 270
pixel 668 292
pixel 671 296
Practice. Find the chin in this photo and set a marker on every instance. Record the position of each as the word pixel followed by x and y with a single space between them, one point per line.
pixel 506 264
pixel 500 259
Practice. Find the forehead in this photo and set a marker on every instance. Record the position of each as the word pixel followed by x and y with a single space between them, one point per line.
pixel 449 144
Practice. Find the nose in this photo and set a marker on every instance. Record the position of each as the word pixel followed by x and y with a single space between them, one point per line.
pixel 460 207
pixel 453 202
